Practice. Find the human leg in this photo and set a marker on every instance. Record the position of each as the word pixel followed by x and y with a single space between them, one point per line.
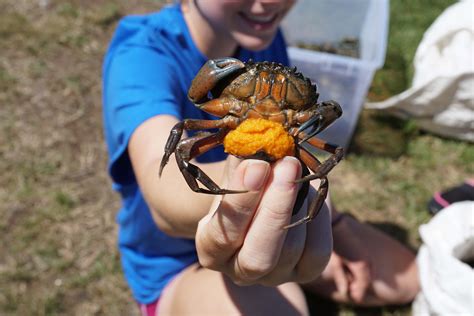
pixel 393 272
pixel 148 309
pixel 200 291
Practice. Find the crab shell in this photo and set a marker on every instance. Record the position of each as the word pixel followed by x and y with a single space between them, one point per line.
pixel 266 82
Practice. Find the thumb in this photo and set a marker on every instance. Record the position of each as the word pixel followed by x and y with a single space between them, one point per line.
pixel 340 276
pixel 221 233
pixel 361 280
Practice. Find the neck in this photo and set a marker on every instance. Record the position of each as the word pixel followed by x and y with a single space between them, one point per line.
pixel 210 41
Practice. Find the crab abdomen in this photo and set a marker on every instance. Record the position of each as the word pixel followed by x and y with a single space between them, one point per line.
pixel 261 139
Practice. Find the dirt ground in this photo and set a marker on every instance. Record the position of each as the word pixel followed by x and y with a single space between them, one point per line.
pixel 57 209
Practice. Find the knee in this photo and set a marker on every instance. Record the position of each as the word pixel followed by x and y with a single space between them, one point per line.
pixel 410 284
pixel 294 294
pixel 406 289
pixel 407 293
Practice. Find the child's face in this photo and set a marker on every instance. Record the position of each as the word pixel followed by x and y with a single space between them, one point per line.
pixel 252 24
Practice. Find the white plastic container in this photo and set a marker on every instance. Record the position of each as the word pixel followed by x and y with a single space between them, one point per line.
pixel 340 78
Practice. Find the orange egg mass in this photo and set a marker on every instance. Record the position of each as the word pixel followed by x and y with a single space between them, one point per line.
pixel 254 135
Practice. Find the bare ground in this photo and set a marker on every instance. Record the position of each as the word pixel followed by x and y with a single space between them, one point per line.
pixel 57 208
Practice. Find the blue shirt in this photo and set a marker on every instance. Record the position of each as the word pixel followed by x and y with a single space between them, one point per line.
pixel 147 71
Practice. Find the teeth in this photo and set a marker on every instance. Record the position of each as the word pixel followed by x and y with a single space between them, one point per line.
pixel 261 18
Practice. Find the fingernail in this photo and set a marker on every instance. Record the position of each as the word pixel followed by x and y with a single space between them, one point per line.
pixel 286 172
pixel 255 174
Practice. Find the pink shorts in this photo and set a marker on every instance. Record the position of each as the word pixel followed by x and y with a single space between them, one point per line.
pixel 148 309
pixel 151 308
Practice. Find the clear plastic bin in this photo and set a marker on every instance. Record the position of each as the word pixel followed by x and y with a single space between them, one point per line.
pixel 340 78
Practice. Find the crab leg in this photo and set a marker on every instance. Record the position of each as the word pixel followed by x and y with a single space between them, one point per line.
pixel 303 192
pixel 210 74
pixel 323 145
pixel 313 163
pixel 320 171
pixel 193 146
pixel 323 169
pixel 318 118
pixel 189 124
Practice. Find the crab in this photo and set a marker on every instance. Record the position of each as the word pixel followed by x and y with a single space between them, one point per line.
pixel 237 91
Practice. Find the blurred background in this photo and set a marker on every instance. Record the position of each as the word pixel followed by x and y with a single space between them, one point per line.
pixel 57 209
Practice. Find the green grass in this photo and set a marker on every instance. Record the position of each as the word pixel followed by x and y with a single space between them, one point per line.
pixel 406 164
pixel 409 19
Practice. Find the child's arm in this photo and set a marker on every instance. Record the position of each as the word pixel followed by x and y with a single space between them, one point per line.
pixel 175 207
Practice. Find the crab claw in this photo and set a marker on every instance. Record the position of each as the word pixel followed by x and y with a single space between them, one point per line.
pixel 210 74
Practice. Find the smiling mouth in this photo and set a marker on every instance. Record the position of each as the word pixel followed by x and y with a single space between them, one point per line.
pixel 259 22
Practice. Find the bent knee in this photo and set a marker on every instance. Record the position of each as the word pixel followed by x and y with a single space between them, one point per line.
pixel 406 294
pixel 402 294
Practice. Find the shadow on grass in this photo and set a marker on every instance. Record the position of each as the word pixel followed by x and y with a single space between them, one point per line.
pixel 380 134
pixel 392 79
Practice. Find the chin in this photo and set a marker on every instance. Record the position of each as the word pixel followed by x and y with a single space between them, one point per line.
pixel 254 43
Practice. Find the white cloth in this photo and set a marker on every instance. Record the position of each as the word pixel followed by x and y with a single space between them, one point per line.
pixel 441 98
pixel 447 281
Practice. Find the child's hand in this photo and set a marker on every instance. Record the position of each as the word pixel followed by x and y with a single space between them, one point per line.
pixel 243 235
pixel 354 261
